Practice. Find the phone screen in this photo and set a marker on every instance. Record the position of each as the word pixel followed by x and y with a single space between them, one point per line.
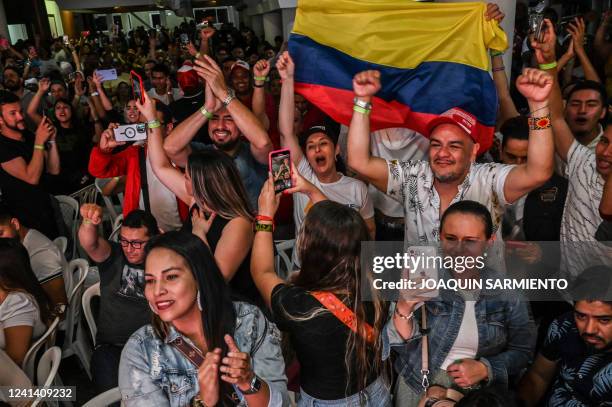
pixel 137 87
pixel 184 39
pixel 280 166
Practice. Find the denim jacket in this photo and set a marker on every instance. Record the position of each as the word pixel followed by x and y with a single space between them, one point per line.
pixel 154 373
pixel 506 336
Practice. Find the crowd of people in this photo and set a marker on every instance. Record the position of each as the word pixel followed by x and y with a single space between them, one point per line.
pixel 193 307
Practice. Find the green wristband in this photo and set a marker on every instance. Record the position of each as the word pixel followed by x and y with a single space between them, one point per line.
pixel 361 110
pixel 206 113
pixel 495 53
pixel 153 124
pixel 546 67
pixel 260 78
pixel 39 147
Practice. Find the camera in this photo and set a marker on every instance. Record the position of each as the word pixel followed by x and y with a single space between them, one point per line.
pixel 131 132
pixel 536 21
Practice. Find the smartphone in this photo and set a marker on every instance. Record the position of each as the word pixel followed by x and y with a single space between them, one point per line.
pixel 137 86
pixel 202 25
pixel 66 40
pixel 131 132
pixel 184 39
pixel 280 167
pixel 107 74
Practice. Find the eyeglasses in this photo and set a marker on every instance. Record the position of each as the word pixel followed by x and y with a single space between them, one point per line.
pixel 136 244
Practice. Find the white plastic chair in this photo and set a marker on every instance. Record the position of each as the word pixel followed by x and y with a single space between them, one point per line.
pixel 114 236
pixel 70 212
pixel 284 248
pixel 75 342
pixel 46 371
pixel 88 295
pixel 62 243
pixel 30 358
pixel 88 194
pixel 104 399
pixel 113 210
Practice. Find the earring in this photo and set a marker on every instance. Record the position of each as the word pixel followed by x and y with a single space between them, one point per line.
pixel 152 309
pixel 198 301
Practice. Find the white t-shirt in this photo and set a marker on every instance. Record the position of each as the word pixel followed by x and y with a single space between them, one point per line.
pixel 163 202
pixel 176 95
pixel 46 259
pixel 581 216
pixel 347 191
pixel 20 309
pixel 466 342
pixel 391 144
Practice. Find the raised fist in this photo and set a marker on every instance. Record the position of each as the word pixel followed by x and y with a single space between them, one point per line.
pixel 366 84
pixel 262 68
pixel 285 66
pixel 534 84
pixel 91 213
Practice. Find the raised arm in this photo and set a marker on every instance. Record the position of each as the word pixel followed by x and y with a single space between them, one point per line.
pixel 104 100
pixel 506 105
pixel 260 74
pixel 43 88
pixel 545 55
pixel 601 46
pixel 245 120
pixel 176 145
pixel 577 29
pixel 31 172
pixel 96 247
pixel 52 158
pixel 205 35
pixel 535 85
pixel 171 177
pixel 94 98
pixel 372 169
pixel 286 111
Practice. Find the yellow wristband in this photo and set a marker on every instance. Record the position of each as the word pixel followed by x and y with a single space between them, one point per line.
pixel 546 67
pixel 206 113
pixel 39 147
pixel 153 124
pixel 361 110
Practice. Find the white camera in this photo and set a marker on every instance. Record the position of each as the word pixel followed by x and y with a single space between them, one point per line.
pixel 131 132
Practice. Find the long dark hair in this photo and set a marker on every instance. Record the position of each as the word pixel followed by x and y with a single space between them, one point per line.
pixel 216 182
pixel 218 316
pixel 329 248
pixel 16 274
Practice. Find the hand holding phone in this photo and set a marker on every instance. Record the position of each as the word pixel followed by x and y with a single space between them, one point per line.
pixel 280 167
pixel 107 74
pixel 137 87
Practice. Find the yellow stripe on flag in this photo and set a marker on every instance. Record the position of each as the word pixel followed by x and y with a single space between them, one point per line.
pixel 400 33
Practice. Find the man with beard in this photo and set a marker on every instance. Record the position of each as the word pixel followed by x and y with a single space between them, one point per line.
pixel 23 158
pixel 228 120
pixel 427 188
pixel 14 82
pixel 579 344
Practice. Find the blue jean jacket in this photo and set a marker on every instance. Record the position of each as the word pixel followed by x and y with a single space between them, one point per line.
pixel 154 373
pixel 506 337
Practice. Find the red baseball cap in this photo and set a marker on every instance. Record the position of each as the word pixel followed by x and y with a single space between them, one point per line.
pixel 459 117
pixel 187 77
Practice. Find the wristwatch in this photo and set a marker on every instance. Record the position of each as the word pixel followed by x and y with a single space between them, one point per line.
pixel 230 96
pixel 255 386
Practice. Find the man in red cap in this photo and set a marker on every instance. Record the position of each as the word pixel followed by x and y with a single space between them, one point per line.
pixel 427 188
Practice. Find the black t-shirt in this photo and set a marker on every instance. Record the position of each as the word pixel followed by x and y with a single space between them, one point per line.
pixel 185 107
pixel 74 146
pixel 123 306
pixel 31 204
pixel 585 374
pixel 319 342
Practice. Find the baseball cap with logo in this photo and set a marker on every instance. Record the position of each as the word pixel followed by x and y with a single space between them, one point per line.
pixel 459 117
pixel 187 78
pixel 241 64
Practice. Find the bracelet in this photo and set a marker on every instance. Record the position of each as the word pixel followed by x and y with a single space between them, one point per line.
pixel 198 55
pixel 206 113
pixel 153 124
pixel 263 227
pixel 360 109
pixel 495 53
pixel 50 141
pixel 94 94
pixel 258 86
pixel 116 178
pixel 260 78
pixel 39 147
pixel 500 68
pixel 402 316
pixel 362 104
pixel 545 67
pixel 87 222
pixel 539 123
pixel 532 112
pixel 264 218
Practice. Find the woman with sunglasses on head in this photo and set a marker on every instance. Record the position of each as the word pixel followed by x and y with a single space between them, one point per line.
pixel 202 348
pixel 341 362
pixel 220 211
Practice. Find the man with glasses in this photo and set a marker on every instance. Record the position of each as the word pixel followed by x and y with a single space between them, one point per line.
pixel 123 308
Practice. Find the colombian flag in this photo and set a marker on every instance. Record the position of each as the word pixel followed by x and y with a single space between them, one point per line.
pixel 431 56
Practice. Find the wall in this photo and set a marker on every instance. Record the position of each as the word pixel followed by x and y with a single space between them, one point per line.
pixel 54 10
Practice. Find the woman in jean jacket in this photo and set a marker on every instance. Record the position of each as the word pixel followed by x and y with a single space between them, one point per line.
pixel 497 344
pixel 242 363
